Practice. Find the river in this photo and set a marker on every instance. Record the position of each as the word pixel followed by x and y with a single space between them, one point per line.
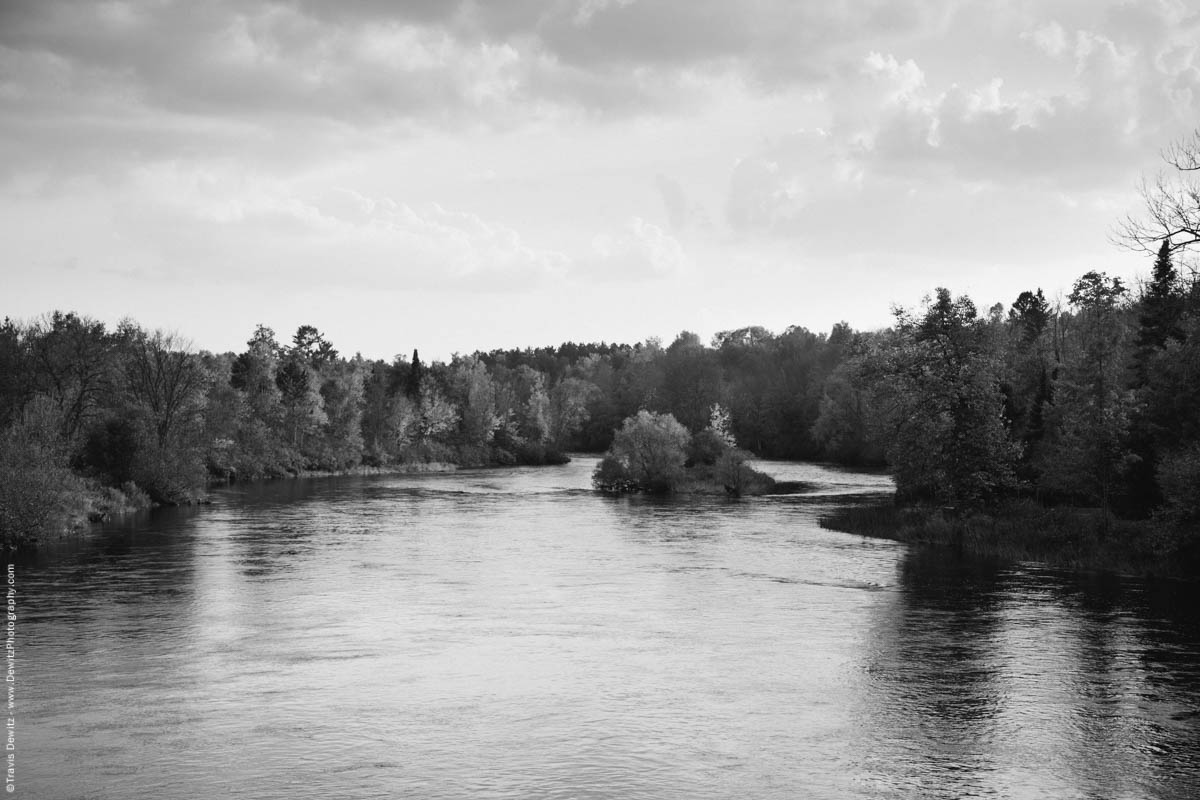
pixel 511 634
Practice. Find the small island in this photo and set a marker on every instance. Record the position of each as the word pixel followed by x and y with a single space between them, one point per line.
pixel 654 453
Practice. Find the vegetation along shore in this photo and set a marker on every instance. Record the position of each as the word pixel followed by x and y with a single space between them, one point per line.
pixel 1065 429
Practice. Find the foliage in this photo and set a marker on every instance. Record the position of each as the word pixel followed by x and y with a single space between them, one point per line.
pixel 739 478
pixel 39 495
pixel 612 475
pixel 843 426
pixel 721 424
pixel 1097 403
pixel 705 448
pixel 938 407
pixel 568 409
pixel 1179 476
pixel 647 454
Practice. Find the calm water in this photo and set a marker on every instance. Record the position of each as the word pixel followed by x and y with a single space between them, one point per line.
pixel 509 634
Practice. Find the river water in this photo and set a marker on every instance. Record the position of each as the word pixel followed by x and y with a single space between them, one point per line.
pixel 510 634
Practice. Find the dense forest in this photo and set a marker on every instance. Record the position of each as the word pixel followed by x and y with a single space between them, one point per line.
pixel 1093 401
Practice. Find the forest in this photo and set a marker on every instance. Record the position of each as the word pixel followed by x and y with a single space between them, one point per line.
pixel 1096 403
pixel 1092 401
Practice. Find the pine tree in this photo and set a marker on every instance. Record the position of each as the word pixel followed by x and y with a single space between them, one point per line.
pixel 1161 307
pixel 412 387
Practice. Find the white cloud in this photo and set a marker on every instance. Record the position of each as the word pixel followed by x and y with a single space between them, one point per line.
pixel 902 80
pixel 641 251
pixel 1049 38
pixel 482 146
pixel 257 228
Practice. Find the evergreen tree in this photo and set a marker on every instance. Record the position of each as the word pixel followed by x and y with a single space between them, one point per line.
pixel 1090 454
pixel 416 374
pixel 1162 305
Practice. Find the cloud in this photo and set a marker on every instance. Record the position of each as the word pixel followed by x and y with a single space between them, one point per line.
pixel 673 200
pixel 1108 102
pixel 1050 38
pixel 439 63
pixel 774 189
pixel 237 228
pixel 641 251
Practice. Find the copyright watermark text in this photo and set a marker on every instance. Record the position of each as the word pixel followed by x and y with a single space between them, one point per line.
pixel 10 681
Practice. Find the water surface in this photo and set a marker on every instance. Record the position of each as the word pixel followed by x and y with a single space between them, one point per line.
pixel 510 634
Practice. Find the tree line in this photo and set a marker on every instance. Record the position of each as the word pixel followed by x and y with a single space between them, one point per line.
pixel 1092 401
pixel 1095 401
pixel 89 410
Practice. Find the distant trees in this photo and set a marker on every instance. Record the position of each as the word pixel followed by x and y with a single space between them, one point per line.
pixel 1095 402
pixel 163 401
pixel 843 429
pixel 1088 449
pixel 1030 371
pixel 568 409
pixel 691 380
pixel 68 359
pixel 474 393
pixel 137 408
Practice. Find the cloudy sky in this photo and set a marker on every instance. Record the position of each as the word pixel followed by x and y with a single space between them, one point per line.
pixel 468 175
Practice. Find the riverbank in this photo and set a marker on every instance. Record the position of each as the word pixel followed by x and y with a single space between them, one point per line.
pixel 1082 539
pixel 361 469
pixel 71 504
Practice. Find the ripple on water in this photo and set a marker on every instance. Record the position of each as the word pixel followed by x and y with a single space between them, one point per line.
pixel 509 633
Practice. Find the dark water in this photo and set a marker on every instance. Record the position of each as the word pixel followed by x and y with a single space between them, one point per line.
pixel 509 634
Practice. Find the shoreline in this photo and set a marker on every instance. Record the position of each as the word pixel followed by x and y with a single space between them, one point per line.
pixel 98 505
pixel 1077 539
pixel 362 469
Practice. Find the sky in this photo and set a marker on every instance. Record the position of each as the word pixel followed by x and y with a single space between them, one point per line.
pixel 461 176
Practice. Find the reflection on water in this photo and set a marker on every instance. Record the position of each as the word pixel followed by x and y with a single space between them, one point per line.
pixel 1020 682
pixel 507 633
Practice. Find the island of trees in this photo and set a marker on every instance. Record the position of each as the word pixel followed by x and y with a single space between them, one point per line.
pixel 1091 402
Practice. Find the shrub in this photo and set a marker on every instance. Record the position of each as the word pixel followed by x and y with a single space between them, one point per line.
pixel 707 446
pixel 612 476
pixel 39 495
pixel 647 454
pixel 1179 479
pixel 740 478
pixel 170 476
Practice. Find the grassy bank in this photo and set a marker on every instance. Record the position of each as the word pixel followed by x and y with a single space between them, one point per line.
pixel 1072 538
pixel 391 469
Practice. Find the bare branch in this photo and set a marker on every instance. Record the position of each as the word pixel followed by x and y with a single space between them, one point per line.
pixel 1171 202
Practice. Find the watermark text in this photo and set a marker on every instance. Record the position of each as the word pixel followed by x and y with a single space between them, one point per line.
pixel 10 681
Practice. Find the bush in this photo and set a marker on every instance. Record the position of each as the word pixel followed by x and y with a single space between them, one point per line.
pixel 169 476
pixel 110 450
pixel 1179 480
pixel 738 477
pixel 109 501
pixel 612 476
pixel 39 495
pixel 647 454
pixel 707 446
pixel 536 454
